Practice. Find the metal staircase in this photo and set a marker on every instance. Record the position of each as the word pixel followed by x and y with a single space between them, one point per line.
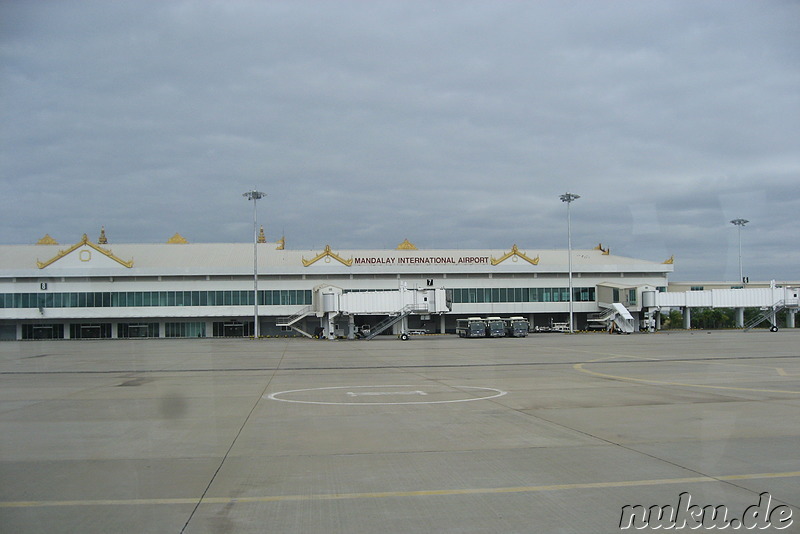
pixel 289 321
pixel 615 318
pixel 292 319
pixel 601 319
pixel 395 318
pixel 767 314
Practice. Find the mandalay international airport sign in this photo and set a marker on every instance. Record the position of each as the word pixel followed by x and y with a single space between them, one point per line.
pixel 427 260
pixel 328 254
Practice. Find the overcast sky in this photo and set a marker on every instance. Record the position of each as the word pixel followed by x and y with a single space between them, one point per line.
pixel 453 124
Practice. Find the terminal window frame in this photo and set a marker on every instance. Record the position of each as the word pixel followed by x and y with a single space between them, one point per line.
pixel 479 295
pixel 138 299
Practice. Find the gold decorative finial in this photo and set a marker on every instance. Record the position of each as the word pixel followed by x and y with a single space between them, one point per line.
pixel 84 242
pixel 261 237
pixel 102 240
pixel 406 245
pixel 670 261
pixel 327 253
pixel 515 253
pixel 605 251
pixel 281 243
pixel 47 240
pixel 177 239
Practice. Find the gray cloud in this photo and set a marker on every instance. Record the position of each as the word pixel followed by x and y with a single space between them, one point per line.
pixel 454 124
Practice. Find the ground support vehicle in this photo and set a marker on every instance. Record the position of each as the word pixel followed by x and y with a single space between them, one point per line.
pixel 471 327
pixel 495 327
pixel 517 327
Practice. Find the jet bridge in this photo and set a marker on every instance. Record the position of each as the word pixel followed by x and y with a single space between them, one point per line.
pixel 331 303
pixel 770 300
pixel 616 301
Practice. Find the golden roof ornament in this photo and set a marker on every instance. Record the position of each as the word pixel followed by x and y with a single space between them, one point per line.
pixel 84 242
pixel 670 261
pixel 177 239
pixel 406 245
pixel 281 243
pixel 515 253
pixel 102 240
pixel 261 237
pixel 605 251
pixel 47 240
pixel 327 254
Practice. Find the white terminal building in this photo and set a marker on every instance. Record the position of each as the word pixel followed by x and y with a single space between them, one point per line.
pixel 94 289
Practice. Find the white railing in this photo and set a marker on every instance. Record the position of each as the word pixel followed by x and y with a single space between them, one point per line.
pixel 289 321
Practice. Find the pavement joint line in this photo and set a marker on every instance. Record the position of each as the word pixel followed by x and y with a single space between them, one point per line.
pixel 580 367
pixel 398 494
pixel 233 443
pixel 630 359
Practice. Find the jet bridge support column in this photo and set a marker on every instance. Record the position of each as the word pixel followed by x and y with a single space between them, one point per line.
pixel 739 317
pixel 400 326
pixel 351 326
pixel 687 318
pixel 790 318
pixel 328 325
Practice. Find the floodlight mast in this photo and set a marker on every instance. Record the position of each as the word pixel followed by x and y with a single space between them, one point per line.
pixel 255 196
pixel 569 198
pixel 740 223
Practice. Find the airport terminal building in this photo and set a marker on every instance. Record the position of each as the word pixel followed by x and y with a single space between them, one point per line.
pixel 94 289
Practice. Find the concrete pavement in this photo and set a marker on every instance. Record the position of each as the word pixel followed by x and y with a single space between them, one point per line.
pixel 550 433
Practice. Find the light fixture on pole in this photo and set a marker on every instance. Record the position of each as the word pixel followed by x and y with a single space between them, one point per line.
pixel 568 198
pixel 255 196
pixel 740 223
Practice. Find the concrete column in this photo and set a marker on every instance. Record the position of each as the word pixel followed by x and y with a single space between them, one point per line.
pixel 442 324
pixel 687 318
pixel 328 326
pixel 400 326
pixel 209 328
pixel 739 317
pixel 19 332
pixel 658 320
pixel 66 330
pixel 114 330
pixel 351 327
pixel 790 318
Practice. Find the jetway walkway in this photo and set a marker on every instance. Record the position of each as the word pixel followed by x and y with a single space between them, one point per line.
pixel 330 302
pixel 770 300
pixel 730 298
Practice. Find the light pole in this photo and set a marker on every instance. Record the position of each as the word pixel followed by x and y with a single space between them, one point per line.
pixel 255 196
pixel 740 223
pixel 568 198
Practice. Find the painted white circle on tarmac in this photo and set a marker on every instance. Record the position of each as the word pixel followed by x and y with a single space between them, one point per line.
pixel 386 395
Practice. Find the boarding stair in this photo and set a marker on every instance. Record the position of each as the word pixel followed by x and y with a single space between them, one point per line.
pixel 395 318
pixel 767 314
pixel 615 318
pixel 293 319
pixel 599 320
